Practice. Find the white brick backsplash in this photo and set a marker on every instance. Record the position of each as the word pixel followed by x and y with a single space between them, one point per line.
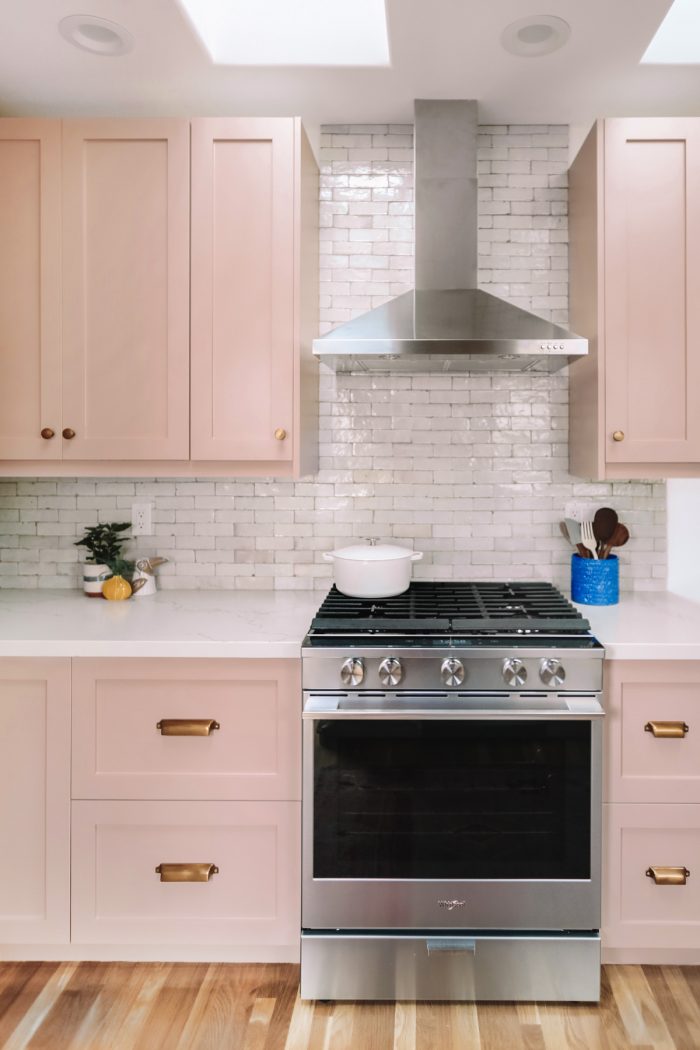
pixel 470 469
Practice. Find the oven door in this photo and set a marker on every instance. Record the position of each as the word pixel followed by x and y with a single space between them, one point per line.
pixel 469 812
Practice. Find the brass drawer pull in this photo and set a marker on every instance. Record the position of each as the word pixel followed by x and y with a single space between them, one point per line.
pixel 187 726
pixel 668 876
pixel 667 730
pixel 186 872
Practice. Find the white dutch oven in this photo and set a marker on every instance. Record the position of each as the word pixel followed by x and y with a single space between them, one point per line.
pixel 372 570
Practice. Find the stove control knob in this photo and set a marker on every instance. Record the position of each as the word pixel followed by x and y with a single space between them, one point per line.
pixel 452 672
pixel 353 671
pixel 552 672
pixel 390 671
pixel 514 672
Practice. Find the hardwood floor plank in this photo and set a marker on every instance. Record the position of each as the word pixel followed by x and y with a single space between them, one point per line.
pixel 68 1012
pixel 499 1026
pixel 14 979
pixel 299 1036
pixel 149 981
pixel 258 1024
pixel 404 1026
pixel 373 1026
pixel 638 1009
pixel 171 1007
pixel 683 1024
pixel 41 995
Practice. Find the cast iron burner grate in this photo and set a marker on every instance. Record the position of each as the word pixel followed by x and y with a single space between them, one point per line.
pixel 460 608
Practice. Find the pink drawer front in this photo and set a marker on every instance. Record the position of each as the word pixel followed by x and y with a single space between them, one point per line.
pixel 253 752
pixel 118 898
pixel 641 766
pixel 638 913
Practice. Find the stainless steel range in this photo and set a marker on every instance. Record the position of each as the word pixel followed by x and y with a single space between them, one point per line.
pixel 452 796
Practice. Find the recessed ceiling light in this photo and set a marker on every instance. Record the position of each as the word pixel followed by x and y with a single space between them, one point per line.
pixel 285 33
pixel 535 35
pixel 95 34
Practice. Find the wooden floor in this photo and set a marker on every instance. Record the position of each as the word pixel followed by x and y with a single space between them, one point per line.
pixel 123 1006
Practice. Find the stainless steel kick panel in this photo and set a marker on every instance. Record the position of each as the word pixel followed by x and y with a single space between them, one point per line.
pixel 461 968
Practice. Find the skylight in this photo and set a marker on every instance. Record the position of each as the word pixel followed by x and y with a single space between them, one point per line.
pixel 292 32
pixel 677 40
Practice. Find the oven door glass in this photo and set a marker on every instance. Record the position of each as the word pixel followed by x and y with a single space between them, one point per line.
pixel 468 799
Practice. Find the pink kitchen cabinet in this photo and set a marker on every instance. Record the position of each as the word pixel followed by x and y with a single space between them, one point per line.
pixel 634 202
pixel 252 899
pixel 254 295
pixel 125 194
pixel 651 811
pixel 34 801
pixel 30 289
pixel 102 262
pixel 243 740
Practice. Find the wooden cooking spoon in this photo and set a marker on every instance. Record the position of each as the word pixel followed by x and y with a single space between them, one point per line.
pixel 618 539
pixel 604 525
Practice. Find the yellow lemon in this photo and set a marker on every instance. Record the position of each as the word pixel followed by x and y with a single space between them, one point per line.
pixel 116 589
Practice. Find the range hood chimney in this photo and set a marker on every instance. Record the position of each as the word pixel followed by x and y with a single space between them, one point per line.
pixel 446 324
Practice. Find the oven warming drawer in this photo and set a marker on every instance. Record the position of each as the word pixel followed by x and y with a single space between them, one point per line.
pixel 376 966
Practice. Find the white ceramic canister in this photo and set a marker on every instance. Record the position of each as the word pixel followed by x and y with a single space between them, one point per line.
pixel 94 576
pixel 372 570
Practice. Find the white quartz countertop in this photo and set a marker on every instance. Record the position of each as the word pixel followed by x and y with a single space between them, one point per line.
pixel 170 623
pixel 647 626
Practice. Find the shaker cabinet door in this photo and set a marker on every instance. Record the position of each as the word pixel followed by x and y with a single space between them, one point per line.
pixel 125 289
pixel 30 289
pixel 243 323
pixel 34 801
pixel 652 309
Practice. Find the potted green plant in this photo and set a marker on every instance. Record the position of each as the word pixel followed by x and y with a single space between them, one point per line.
pixel 105 558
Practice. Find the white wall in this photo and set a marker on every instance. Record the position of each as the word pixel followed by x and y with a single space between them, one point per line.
pixel 684 536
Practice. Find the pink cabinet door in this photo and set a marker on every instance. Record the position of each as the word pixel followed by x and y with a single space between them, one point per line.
pixel 652 273
pixel 30 290
pixel 252 899
pixel 243 315
pixel 652 730
pixel 34 801
pixel 126 289
pixel 637 912
pixel 242 740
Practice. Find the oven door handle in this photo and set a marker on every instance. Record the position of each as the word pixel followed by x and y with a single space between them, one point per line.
pixel 320 706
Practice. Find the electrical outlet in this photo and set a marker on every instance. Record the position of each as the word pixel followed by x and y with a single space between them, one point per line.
pixel 141 524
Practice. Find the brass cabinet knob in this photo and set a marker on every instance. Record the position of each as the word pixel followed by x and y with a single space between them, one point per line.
pixel 618 435
pixel 47 433
pixel 68 434
pixel 280 434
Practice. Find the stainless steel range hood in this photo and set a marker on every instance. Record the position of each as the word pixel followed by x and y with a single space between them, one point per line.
pixel 447 324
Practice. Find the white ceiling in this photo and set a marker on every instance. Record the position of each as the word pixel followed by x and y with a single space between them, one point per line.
pixel 440 49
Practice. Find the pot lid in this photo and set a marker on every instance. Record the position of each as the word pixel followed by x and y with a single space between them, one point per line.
pixel 373 552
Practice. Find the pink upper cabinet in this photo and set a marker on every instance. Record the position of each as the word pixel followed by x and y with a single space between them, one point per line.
pixel 635 265
pixel 246 329
pixel 30 296
pixel 125 290
pixel 652 307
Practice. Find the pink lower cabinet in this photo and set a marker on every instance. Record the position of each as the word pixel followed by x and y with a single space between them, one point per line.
pixel 34 801
pixel 651 791
pixel 186 729
pixel 239 862
pixel 651 860
pixel 652 731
